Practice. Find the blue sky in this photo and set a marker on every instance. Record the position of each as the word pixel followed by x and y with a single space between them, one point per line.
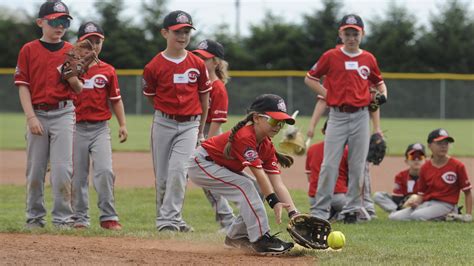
pixel 208 14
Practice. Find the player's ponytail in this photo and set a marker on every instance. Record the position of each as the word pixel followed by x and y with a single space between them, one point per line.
pixel 284 160
pixel 222 69
pixel 234 130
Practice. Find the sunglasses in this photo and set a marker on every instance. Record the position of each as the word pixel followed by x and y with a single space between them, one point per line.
pixel 65 22
pixel 273 122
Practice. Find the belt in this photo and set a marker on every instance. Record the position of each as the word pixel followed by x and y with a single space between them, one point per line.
pixel 90 121
pixel 50 107
pixel 179 118
pixel 348 108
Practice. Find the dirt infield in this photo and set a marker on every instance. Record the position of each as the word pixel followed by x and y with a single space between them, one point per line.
pixel 135 170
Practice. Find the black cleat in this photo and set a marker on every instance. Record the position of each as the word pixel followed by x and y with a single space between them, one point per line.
pixel 270 245
pixel 240 243
pixel 350 218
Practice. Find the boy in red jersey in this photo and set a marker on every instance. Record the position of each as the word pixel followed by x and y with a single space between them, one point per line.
pixel 92 136
pixel 441 180
pixel 176 83
pixel 405 180
pixel 349 72
pixel 49 110
pixel 217 166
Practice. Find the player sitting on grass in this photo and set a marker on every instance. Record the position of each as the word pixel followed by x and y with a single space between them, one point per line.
pixel 441 180
pixel 404 181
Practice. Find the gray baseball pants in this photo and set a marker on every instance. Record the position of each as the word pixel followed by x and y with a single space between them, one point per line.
pixel 93 141
pixel 56 144
pixel 428 210
pixel 172 143
pixel 252 222
pixel 353 129
pixel 384 200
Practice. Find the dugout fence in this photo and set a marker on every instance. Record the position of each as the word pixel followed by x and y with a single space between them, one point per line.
pixel 411 95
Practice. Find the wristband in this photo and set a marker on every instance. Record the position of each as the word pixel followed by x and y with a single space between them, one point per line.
pixel 292 213
pixel 272 200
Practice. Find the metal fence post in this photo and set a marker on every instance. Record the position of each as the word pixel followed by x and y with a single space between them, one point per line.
pixel 289 93
pixel 442 99
pixel 138 95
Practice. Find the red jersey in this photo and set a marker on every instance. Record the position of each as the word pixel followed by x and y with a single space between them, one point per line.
pixel 347 76
pixel 39 69
pixel 219 103
pixel 100 85
pixel 314 159
pixel 404 184
pixel 176 85
pixel 443 184
pixel 245 151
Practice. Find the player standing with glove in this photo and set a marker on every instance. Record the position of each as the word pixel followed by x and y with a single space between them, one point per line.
pixel 349 72
pixel 92 136
pixel 49 110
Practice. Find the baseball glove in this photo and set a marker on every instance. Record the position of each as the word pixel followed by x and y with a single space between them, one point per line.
pixel 377 149
pixel 309 231
pixel 78 60
pixel 377 100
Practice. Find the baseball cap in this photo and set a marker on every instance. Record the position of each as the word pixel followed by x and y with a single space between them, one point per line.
pixel 273 106
pixel 177 20
pixel 209 49
pixel 53 9
pixel 351 21
pixel 439 135
pixel 415 151
pixel 88 29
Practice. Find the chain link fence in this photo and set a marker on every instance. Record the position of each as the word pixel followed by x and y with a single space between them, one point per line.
pixel 444 96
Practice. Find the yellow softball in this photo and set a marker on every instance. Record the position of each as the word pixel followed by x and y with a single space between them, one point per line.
pixel 336 240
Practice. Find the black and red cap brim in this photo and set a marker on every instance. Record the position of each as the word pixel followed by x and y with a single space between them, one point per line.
pixel 281 116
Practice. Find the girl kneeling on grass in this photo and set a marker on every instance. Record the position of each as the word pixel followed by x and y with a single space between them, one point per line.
pixel 217 166
pixel 441 180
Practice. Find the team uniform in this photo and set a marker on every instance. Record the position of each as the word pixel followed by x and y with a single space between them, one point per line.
pixel 440 188
pixel 404 184
pixel 347 83
pixel 92 140
pixel 209 169
pixel 314 158
pixel 218 106
pixel 175 85
pixel 38 68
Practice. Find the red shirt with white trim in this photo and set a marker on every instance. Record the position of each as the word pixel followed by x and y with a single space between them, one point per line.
pixel 443 184
pixel 404 184
pixel 347 76
pixel 39 69
pixel 219 103
pixel 100 86
pixel 314 159
pixel 245 151
pixel 176 85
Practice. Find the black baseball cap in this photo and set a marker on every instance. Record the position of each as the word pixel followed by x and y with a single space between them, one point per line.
pixel 209 49
pixel 439 135
pixel 177 20
pixel 416 150
pixel 273 106
pixel 351 21
pixel 53 10
pixel 88 29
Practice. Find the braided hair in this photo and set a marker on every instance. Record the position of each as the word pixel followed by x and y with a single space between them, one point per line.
pixel 234 130
pixel 283 159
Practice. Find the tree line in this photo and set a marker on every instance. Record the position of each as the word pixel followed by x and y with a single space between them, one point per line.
pixel 395 38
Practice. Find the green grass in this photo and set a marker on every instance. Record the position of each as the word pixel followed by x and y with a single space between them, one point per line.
pixel 378 242
pixel 399 132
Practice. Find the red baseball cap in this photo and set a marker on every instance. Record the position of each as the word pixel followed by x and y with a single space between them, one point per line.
pixel 273 106
pixel 53 9
pixel 88 29
pixel 439 135
pixel 209 49
pixel 351 21
pixel 177 19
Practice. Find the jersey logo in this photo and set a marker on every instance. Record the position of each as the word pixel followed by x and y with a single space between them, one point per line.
pixel 449 177
pixel 250 155
pixel 97 81
pixel 364 72
pixel 190 76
